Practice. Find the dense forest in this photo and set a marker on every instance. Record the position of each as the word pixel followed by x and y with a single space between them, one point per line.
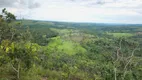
pixel 47 50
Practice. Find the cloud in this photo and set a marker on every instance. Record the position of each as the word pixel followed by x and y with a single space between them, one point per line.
pixel 112 11
pixel 119 11
pixel 19 4
pixel 7 3
pixel 34 5
pixel 94 2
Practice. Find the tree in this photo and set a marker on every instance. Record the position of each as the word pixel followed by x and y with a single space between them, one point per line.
pixel 7 16
pixel 7 29
pixel 20 55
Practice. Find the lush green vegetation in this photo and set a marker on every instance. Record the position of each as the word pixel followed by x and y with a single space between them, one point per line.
pixel 41 50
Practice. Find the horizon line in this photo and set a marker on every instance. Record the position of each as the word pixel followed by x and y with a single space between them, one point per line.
pixel 84 22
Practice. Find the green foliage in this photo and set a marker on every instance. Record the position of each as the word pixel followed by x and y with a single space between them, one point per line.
pixel 8 16
pixel 68 47
pixel 68 51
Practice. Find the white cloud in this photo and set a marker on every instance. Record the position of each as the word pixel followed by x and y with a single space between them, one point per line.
pixel 115 11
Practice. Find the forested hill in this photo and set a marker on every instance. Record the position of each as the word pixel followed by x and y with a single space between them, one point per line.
pixel 77 24
pixel 47 50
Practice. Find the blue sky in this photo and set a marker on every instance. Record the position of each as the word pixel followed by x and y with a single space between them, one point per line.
pixel 102 11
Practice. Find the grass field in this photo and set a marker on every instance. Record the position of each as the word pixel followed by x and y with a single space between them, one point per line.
pixel 63 46
pixel 121 34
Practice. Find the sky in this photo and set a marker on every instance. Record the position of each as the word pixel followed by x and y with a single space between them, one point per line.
pixel 97 11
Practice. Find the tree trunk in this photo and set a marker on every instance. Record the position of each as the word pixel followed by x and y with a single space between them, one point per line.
pixel 18 73
pixel 115 74
pixel 17 70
